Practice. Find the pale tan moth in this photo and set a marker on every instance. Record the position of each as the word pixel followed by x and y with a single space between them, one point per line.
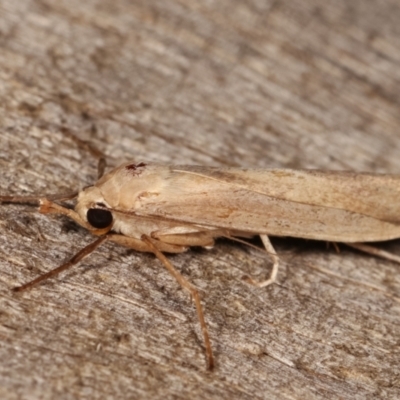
pixel 168 208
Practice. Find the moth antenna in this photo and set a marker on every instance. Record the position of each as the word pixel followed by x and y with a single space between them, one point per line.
pixel 35 200
pixel 29 200
pixel 101 166
pixel 95 152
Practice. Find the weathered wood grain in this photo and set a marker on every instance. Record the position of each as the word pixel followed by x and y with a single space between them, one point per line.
pixel 298 84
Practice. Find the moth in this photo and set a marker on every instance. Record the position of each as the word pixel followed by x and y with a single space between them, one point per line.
pixel 161 209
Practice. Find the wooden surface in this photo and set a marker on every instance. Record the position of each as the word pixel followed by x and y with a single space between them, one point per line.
pixel 302 84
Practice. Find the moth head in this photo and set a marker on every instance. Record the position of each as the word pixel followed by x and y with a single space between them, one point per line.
pixel 92 208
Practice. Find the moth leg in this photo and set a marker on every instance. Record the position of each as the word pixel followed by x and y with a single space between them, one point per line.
pixel 147 244
pixel 374 251
pixel 73 261
pixel 203 239
pixel 140 245
pixel 192 290
pixel 275 266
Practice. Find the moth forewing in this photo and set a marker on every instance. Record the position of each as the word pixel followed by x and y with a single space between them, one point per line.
pixel 332 206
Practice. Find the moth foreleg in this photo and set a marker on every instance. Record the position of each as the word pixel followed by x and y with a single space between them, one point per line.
pixel 73 261
pixel 275 266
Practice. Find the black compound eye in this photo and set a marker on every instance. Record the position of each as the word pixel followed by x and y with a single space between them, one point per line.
pixel 99 218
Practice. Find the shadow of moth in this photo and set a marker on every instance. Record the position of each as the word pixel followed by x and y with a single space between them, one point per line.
pixel 166 209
